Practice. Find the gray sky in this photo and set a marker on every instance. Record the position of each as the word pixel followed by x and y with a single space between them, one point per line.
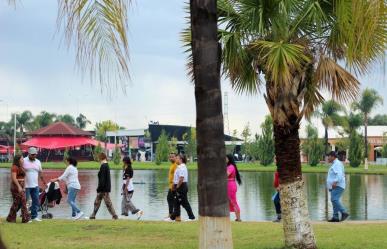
pixel 37 72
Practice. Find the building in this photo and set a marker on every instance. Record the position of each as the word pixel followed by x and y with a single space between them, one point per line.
pixel 376 138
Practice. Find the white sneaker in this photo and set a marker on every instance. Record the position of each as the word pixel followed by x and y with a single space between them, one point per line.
pixel 78 216
pixel 37 219
pixel 189 220
pixel 169 220
pixel 139 214
pixel 30 221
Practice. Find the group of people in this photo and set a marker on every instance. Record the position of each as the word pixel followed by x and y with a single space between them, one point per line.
pixel 26 173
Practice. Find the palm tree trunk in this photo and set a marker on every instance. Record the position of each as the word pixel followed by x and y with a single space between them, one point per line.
pixel 215 226
pixel 365 137
pixel 326 140
pixel 297 228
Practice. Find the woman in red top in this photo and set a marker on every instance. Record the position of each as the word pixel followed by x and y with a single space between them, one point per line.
pixel 233 177
pixel 276 197
pixel 17 191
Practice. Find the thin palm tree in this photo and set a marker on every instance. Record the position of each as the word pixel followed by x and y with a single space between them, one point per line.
pixel 23 121
pixel 368 101
pixel 82 121
pixel 290 50
pixel 215 227
pixel 330 117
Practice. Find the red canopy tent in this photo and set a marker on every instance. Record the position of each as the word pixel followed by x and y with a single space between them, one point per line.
pixel 59 136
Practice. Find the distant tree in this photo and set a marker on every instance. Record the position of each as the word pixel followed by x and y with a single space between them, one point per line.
pixel 66 154
pixel 356 149
pixel 266 149
pixel 102 127
pixel 43 119
pixel 6 131
pixel 384 148
pixel 246 133
pixel 162 148
pixel 370 99
pixel 173 145
pixel 117 155
pixel 66 118
pixel 82 121
pixel 329 115
pixel 18 150
pixel 23 120
pixel 313 147
pixel 190 148
pixel 97 150
pixel 378 119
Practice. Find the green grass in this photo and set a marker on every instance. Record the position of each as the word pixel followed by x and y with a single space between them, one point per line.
pixel 255 167
pixel 133 234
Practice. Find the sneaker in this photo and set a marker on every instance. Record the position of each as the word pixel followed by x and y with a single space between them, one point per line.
pixel 277 220
pixel 90 218
pixel 238 220
pixel 139 214
pixel 344 216
pixel 169 220
pixel 37 219
pixel 334 220
pixel 78 216
pixel 189 220
pixel 30 221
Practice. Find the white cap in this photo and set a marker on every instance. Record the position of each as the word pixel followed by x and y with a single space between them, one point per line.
pixel 32 151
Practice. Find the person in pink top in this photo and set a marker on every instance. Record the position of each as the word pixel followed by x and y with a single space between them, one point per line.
pixel 232 178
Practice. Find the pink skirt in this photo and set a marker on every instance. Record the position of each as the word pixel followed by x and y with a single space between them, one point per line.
pixel 231 191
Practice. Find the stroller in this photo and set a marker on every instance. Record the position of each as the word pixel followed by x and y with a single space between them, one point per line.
pixel 48 198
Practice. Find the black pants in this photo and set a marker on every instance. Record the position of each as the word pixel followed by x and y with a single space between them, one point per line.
pixel 170 199
pixel 180 198
pixel 277 203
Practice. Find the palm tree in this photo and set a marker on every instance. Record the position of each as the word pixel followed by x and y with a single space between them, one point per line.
pixel 215 227
pixel 43 119
pixel 23 121
pixel 290 51
pixel 369 100
pixel 82 121
pixel 330 117
pixel 66 118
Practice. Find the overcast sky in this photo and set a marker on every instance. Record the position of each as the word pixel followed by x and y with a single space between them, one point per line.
pixel 37 73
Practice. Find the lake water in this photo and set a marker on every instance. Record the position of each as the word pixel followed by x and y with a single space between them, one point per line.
pixel 365 196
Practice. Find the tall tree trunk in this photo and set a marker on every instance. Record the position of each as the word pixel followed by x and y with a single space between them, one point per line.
pixel 326 139
pixel 297 228
pixel 215 226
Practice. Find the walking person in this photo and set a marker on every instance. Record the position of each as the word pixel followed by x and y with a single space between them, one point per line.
pixel 70 177
pixel 180 190
pixel 17 191
pixel 128 190
pixel 33 170
pixel 232 178
pixel 103 189
pixel 336 185
pixel 276 197
pixel 170 195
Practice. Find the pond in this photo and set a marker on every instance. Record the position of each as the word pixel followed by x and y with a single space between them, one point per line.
pixel 365 196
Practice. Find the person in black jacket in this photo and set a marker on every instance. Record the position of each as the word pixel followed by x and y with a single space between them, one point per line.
pixel 103 188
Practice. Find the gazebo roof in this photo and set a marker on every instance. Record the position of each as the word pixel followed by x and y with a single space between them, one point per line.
pixel 59 129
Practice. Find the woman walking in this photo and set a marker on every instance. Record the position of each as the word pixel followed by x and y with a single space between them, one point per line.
pixel 128 190
pixel 233 177
pixel 17 191
pixel 180 189
pixel 70 177
pixel 276 197
pixel 103 189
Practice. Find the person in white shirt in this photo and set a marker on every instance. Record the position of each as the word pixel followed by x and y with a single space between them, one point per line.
pixel 128 190
pixel 70 177
pixel 180 189
pixel 33 169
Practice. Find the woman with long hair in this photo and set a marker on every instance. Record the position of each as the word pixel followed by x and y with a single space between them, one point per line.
pixel 233 177
pixel 128 190
pixel 17 191
pixel 70 177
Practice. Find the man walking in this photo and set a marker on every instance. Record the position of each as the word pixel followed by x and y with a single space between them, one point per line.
pixel 170 196
pixel 336 185
pixel 33 169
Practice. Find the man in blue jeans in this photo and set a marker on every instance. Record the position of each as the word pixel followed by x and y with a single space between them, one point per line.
pixel 33 169
pixel 336 185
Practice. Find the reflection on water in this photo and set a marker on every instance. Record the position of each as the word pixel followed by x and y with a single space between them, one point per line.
pixel 364 196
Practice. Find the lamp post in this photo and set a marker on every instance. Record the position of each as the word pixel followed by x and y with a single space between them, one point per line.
pixel 14 135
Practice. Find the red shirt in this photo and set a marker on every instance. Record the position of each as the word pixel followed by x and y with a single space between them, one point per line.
pixel 20 174
pixel 276 180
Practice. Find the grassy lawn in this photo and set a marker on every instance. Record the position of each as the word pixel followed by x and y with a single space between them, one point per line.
pixel 373 169
pixel 133 234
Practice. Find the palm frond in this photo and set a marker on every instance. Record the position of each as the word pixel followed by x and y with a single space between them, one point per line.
pixel 282 60
pixel 343 86
pixel 98 30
